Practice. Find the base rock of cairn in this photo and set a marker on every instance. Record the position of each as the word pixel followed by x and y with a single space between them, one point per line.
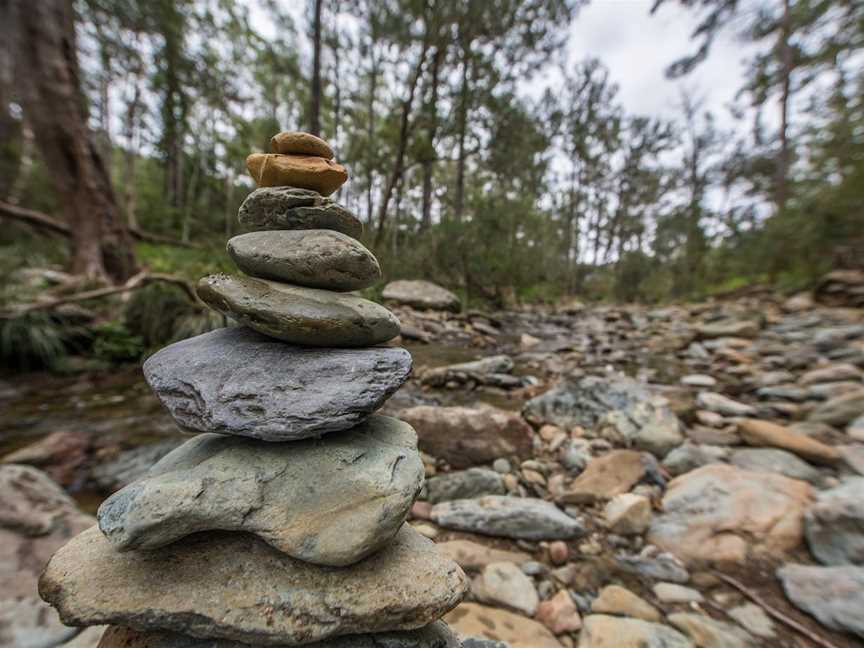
pixel 282 524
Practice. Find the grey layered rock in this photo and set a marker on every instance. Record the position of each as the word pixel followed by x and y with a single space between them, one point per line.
pixel 330 503
pixel 834 525
pixel 235 381
pixel 625 410
pixel 509 517
pixel 834 595
pixel 234 586
pixel 465 484
pixel 305 316
pixel 435 635
pixel 290 208
pixel 313 258
pixel 421 294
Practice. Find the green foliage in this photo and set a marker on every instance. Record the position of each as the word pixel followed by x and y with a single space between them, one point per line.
pixel 35 340
pixel 160 314
pixel 114 343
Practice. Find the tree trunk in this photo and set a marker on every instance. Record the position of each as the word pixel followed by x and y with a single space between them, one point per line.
pixel 315 97
pixel 429 162
pixel 48 80
pixel 370 136
pixel 462 126
pixel 786 65
pixel 404 134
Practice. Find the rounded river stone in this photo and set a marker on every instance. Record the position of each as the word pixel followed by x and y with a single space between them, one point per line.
pixel 435 635
pixel 303 171
pixel 225 585
pixel 299 143
pixel 330 503
pixel 236 381
pixel 290 208
pixel 315 258
pixel 305 316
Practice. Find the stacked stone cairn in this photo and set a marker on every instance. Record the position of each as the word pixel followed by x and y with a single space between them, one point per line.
pixel 282 522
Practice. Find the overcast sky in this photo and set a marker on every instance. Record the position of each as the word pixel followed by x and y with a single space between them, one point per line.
pixel 637 46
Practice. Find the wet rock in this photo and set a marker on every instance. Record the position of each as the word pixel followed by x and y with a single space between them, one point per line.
pixel 328 503
pixel 834 595
pixel 235 381
pixel 473 555
pixel 130 465
pixel 435 635
pixel 603 631
pixel 464 436
pixel 473 620
pixel 273 598
pixel 614 599
pixel 723 405
pixel 36 518
pixel 721 514
pixel 834 525
pixel 710 633
pixel 621 407
pixel 508 517
pixel 605 477
pixel 628 514
pixel 753 619
pixel 841 410
pixel 775 461
pixel 421 294
pixel 559 614
pixel 675 593
pixel 304 316
pixel 474 482
pixel 313 258
pixel 302 171
pixel 763 433
pixel 503 583
pixel 298 143
pixel 690 456
pixel 290 208
pixel 62 455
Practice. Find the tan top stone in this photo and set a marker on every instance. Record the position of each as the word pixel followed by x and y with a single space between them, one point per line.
pixel 303 171
pixel 300 143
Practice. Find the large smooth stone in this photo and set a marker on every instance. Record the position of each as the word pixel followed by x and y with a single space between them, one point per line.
pixel 302 171
pixel 36 518
pixel 834 595
pixel 513 630
pixel 236 381
pixel 509 517
pixel 834 525
pixel 421 294
pixel 234 586
pixel 314 258
pixel 603 631
pixel 300 143
pixel 305 316
pixel 435 635
pixel 330 503
pixel 290 208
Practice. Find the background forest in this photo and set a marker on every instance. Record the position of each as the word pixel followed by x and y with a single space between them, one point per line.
pixel 459 176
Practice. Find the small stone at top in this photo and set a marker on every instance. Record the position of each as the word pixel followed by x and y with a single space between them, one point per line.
pixel 299 143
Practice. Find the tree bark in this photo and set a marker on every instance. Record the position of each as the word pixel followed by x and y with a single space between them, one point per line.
pixel 48 80
pixel 462 126
pixel 315 98
pixel 786 64
pixel 432 116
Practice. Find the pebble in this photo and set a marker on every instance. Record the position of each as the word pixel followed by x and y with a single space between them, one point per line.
pixel 503 583
pixel 675 593
pixel 614 599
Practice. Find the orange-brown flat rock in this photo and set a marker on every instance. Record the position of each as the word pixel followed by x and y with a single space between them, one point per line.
pixel 299 143
pixel 303 171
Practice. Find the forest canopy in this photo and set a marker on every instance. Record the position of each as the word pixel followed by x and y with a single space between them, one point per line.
pixel 127 151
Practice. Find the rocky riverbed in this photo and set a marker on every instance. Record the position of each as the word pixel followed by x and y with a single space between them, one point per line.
pixel 608 476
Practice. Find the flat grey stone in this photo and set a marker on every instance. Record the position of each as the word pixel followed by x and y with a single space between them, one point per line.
pixel 234 586
pixel 776 461
pixel 834 595
pixel 235 381
pixel 510 517
pixel 834 525
pixel 314 258
pixel 290 208
pixel 330 503
pixel 305 316
pixel 435 635
pixel 421 294
pixel 464 484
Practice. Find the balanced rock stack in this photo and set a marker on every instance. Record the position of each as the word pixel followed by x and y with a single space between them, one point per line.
pixel 282 522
